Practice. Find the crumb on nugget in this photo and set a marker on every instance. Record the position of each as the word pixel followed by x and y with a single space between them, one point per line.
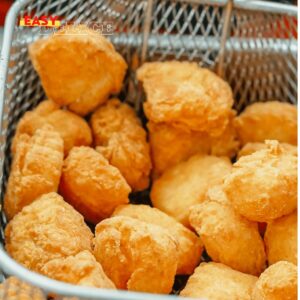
pixel 120 137
pixel 35 170
pixel 91 185
pixel 189 245
pixel 263 186
pixel 47 229
pixel 215 281
pixel 135 255
pixel 78 67
pixel 250 148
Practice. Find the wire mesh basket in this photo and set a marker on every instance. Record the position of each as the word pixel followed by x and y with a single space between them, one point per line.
pixel 251 44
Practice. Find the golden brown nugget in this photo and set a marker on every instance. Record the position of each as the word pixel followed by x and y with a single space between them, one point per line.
pixel 278 282
pixel 123 141
pixel 78 68
pixel 136 255
pixel 91 185
pixel 216 193
pixel 47 229
pixel 272 120
pixel 263 186
pixel 186 184
pixel 79 269
pixel 281 239
pixel 214 281
pixel 35 170
pixel 253 147
pixel 15 289
pixel 228 237
pixel 189 245
pixel 185 144
pixel 73 129
pixel 186 96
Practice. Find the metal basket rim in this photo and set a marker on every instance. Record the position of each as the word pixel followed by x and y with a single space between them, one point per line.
pixel 9 265
pixel 65 289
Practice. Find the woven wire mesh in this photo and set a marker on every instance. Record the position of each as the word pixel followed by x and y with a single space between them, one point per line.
pixel 185 31
pixel 259 55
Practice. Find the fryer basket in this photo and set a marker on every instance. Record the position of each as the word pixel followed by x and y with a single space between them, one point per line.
pixel 251 44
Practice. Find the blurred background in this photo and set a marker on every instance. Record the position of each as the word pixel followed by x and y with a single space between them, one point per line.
pixel 5 5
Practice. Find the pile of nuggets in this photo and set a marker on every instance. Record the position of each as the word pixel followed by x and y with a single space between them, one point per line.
pixel 78 155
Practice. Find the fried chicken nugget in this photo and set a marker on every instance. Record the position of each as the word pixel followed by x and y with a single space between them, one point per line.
pixel 186 184
pixel 253 147
pixel 228 237
pixel 15 289
pixel 47 229
pixel 35 170
pixel 186 144
pixel 91 185
pixel 217 194
pixel 78 68
pixel 136 255
pixel 281 239
pixel 263 186
pixel 79 269
pixel 214 281
pixel 272 120
pixel 122 140
pixel 278 282
pixel 73 129
pixel 189 245
pixel 186 96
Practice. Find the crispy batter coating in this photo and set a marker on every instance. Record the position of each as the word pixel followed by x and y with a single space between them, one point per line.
pixel 122 140
pixel 15 289
pixel 135 255
pixel 35 170
pixel 186 96
pixel 278 282
pixel 253 147
pixel 216 193
pixel 78 67
pixel 91 185
pixel 185 144
pixel 281 239
pixel 216 281
pixel 263 186
pixel 79 269
pixel 73 129
pixel 189 245
pixel 272 120
pixel 47 229
pixel 186 184
pixel 228 237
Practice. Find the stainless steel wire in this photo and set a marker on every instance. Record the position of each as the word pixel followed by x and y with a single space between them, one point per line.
pixel 253 46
